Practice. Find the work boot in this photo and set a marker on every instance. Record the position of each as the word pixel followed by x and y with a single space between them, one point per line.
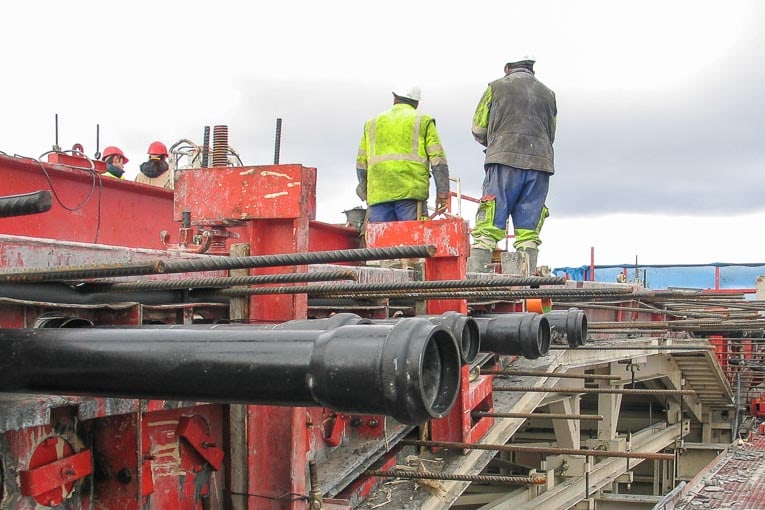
pixel 479 260
pixel 515 263
pixel 533 255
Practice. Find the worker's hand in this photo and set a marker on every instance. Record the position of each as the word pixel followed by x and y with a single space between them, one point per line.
pixel 442 203
pixel 361 191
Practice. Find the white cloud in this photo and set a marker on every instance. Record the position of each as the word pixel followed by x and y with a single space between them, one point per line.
pixel 646 90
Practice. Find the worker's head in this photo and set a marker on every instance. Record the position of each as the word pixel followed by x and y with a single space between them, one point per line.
pixel 115 157
pixel 520 60
pixel 157 164
pixel 157 150
pixel 408 94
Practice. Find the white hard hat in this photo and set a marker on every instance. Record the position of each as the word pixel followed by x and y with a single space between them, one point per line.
pixel 521 57
pixel 409 92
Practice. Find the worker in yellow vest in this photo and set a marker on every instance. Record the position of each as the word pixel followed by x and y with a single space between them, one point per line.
pixel 398 151
pixel 115 162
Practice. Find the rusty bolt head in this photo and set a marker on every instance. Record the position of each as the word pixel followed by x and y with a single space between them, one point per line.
pixel 123 476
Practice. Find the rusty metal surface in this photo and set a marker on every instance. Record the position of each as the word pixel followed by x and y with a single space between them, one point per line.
pixel 448 236
pixel 736 482
pixel 19 253
pixel 81 272
pixel 220 194
pixel 369 273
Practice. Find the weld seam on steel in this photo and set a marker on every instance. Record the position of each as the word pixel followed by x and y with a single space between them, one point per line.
pixel 550 416
pixel 538 449
pixel 616 391
pixel 424 475
pixel 315 276
pixel 296 259
pixel 533 373
pixel 80 272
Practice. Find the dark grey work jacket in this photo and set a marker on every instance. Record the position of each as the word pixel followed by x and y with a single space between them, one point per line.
pixel 522 119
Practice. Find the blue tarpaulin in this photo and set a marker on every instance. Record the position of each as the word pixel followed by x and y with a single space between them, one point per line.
pixel 686 276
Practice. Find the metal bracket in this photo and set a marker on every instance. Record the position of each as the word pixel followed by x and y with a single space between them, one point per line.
pixel 44 482
pixel 193 430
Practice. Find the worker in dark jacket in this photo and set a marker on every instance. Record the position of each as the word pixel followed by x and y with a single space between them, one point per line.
pixel 515 121
pixel 398 151
pixel 156 171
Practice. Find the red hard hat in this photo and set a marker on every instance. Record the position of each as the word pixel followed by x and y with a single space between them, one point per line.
pixel 113 151
pixel 157 149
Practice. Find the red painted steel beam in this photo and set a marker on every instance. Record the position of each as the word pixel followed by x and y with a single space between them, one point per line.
pixel 452 242
pixel 277 203
pixel 230 194
pixel 87 207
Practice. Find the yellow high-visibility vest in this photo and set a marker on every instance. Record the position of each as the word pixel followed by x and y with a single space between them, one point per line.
pixel 397 149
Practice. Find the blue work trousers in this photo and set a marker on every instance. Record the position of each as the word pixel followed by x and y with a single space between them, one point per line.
pixel 519 193
pixel 398 210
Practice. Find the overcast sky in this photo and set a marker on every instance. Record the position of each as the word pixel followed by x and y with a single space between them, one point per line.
pixel 659 152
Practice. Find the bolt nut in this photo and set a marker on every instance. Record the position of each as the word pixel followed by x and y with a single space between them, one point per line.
pixel 123 476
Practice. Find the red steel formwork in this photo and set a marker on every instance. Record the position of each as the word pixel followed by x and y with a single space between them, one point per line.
pixel 98 452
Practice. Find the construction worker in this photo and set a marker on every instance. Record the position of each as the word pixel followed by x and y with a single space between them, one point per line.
pixel 398 150
pixel 156 170
pixel 515 121
pixel 115 162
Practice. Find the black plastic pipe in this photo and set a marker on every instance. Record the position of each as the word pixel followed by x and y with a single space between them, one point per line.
pixel 62 293
pixel 464 329
pixel 409 370
pixel 523 334
pixel 568 325
pixel 27 203
pixel 337 320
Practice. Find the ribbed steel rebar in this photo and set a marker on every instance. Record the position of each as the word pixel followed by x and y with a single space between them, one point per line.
pixel 537 449
pixel 316 276
pixel 27 203
pixel 220 146
pixel 277 141
pixel 548 416
pixel 683 325
pixel 81 272
pixel 205 146
pixel 635 348
pixel 539 373
pixel 514 293
pixel 422 475
pixel 389 288
pixel 296 259
pixel 358 292
pixel 748 305
pixel 598 391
